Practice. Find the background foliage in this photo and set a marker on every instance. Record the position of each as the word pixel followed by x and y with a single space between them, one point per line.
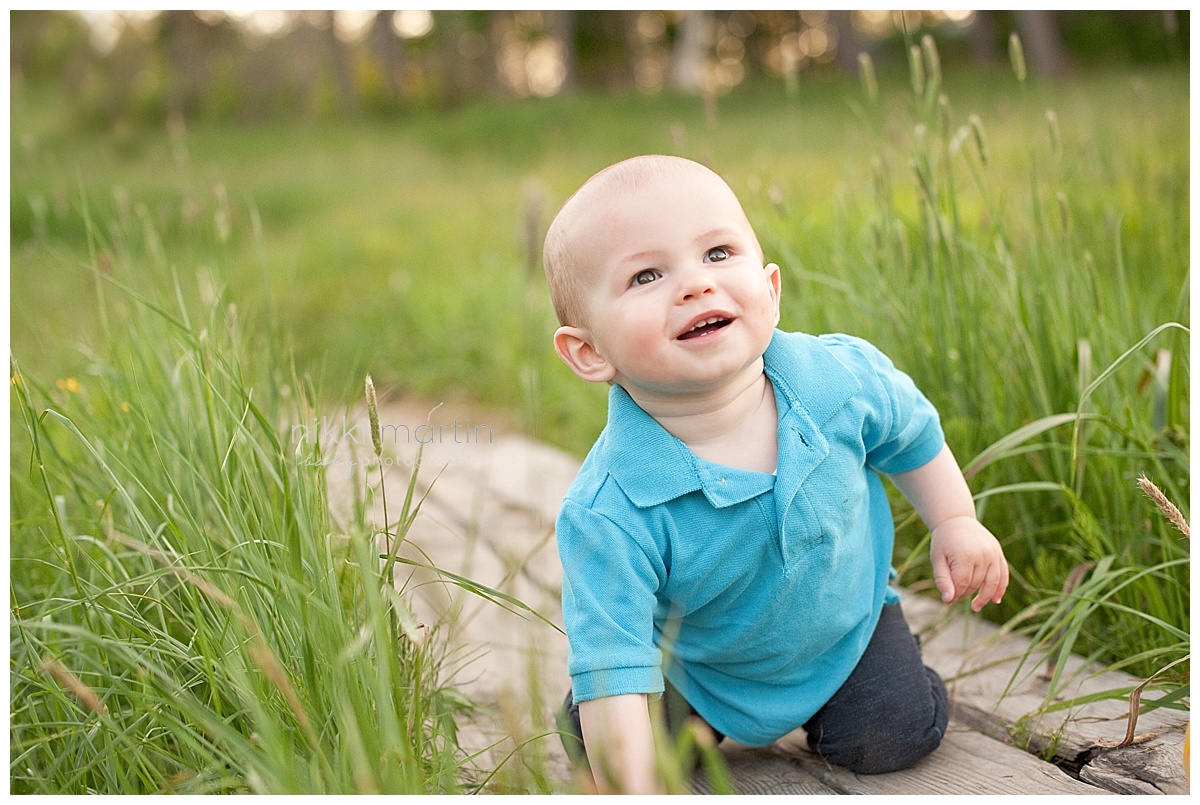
pixel 191 263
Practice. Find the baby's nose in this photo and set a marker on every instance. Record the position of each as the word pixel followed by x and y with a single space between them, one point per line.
pixel 695 283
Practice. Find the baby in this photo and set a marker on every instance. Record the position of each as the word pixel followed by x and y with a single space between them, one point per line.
pixel 728 540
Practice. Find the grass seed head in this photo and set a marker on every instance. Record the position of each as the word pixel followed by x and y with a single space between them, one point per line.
pixel 944 115
pixel 1016 55
pixel 373 415
pixel 1168 508
pixel 980 139
pixel 916 69
pixel 265 660
pixel 74 684
pixel 1055 136
pixel 933 64
pixel 866 74
pixel 222 217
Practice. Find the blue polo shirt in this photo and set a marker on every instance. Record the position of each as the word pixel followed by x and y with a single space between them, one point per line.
pixel 755 594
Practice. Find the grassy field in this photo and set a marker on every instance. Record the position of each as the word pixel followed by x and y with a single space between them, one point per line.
pixel 1021 249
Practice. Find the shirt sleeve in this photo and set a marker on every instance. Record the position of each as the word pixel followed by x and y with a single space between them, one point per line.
pixel 610 581
pixel 902 430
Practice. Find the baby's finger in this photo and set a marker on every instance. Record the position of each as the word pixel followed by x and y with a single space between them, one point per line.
pixel 943 579
pixel 993 582
pixel 1001 580
pixel 966 579
pixel 987 590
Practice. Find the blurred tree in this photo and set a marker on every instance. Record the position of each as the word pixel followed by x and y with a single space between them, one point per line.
pixel 689 57
pixel 1094 37
pixel 1042 41
pixel 41 43
pixel 850 42
pixel 982 44
pixel 605 55
pixel 339 58
pixel 141 69
pixel 289 72
pixel 47 47
pixel 495 44
pixel 186 40
pixel 561 26
pixel 388 49
pixel 632 44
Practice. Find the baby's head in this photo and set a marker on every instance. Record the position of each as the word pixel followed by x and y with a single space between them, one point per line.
pixel 567 269
pixel 653 264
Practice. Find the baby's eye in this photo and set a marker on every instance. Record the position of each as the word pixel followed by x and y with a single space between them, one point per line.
pixel 644 277
pixel 716 255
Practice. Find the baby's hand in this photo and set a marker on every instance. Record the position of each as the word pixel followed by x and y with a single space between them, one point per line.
pixel 966 557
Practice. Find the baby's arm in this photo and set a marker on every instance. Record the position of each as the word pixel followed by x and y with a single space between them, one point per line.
pixel 620 745
pixel 965 555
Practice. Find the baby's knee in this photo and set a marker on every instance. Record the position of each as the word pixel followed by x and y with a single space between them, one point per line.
pixel 881 751
pixel 891 738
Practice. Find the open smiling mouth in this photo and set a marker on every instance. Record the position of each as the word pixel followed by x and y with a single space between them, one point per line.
pixel 706 327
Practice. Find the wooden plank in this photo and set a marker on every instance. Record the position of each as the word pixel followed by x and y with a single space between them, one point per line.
pixel 488 503
pixel 994 690
pixel 1141 769
pixel 763 771
pixel 967 762
pixel 490 516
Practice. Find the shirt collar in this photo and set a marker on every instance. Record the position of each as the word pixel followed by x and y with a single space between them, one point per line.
pixel 808 375
pixel 652 467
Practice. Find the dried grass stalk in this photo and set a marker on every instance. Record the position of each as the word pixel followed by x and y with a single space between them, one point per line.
pixel 373 415
pixel 74 684
pixel 1168 508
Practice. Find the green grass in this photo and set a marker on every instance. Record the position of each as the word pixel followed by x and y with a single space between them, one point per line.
pixel 187 616
pixel 168 553
pixel 413 231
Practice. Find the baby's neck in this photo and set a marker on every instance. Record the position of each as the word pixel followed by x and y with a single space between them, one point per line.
pixel 735 425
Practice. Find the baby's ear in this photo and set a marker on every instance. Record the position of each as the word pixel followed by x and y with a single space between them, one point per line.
pixel 773 277
pixel 574 345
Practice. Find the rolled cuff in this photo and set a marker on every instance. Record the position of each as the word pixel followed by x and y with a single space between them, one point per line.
pixel 923 449
pixel 616 682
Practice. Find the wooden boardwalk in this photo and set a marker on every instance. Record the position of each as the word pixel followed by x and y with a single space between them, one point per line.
pixel 489 516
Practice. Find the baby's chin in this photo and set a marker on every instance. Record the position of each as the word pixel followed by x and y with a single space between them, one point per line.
pixel 693 384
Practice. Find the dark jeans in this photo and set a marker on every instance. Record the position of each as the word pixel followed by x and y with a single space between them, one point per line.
pixel 889 714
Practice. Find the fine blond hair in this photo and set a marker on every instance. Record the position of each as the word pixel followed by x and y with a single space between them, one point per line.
pixel 561 264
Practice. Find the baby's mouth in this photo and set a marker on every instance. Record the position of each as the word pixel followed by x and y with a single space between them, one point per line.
pixel 705 327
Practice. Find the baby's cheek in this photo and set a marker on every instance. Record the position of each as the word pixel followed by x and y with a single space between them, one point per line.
pixel 644 342
pixel 638 336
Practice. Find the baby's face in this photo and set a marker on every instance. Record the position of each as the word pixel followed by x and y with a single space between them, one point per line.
pixel 678 300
